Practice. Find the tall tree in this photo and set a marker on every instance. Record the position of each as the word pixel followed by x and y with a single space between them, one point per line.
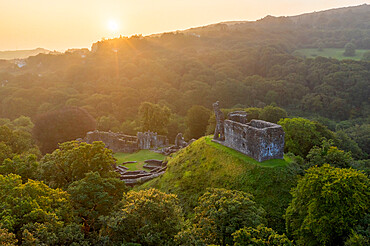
pixel 63 125
pixel 154 117
pixel 273 114
pixel 73 160
pixel 302 134
pixel 95 196
pixel 197 120
pixel 327 204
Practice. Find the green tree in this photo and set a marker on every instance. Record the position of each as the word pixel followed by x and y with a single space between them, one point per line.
pixel 259 236
pixel 106 123
pixel 154 117
pixel 31 205
pixel 345 143
pixel 327 153
pixel 25 166
pixel 361 135
pixel 197 120
pixel 23 123
pixel 5 152
pixel 73 160
pixel 349 49
pixel 253 113
pixel 63 125
pixel 54 234
pixel 13 142
pixel 327 203
pixel 302 134
pixel 147 217
pixel 220 213
pixel 94 196
pixel 272 114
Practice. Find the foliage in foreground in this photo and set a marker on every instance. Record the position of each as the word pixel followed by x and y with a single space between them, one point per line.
pixel 94 196
pixel 327 203
pixel 7 238
pixel 36 213
pixel 73 160
pixel 147 217
pixel 260 236
pixel 219 213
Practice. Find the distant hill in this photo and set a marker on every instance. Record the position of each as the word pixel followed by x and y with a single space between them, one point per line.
pixel 206 164
pixel 22 54
pixel 330 28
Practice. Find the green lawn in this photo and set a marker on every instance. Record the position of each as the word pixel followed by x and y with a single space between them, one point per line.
pixel 239 155
pixel 331 53
pixel 139 156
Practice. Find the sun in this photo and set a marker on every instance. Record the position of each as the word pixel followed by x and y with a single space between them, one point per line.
pixel 112 25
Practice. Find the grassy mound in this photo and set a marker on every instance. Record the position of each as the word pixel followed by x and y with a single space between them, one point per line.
pixel 206 164
pixel 139 156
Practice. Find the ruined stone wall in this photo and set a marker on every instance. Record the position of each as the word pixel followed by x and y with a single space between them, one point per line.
pixel 258 139
pixel 117 142
pixel 151 140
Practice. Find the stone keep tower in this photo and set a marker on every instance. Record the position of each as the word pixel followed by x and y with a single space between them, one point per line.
pixel 258 139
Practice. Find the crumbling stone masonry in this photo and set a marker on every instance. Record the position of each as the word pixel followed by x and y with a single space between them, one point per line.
pixel 151 140
pixel 220 118
pixel 258 139
pixel 119 142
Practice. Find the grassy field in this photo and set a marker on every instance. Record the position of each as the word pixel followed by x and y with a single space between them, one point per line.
pixel 139 156
pixel 331 53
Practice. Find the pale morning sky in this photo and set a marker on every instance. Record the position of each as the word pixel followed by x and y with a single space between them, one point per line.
pixel 62 24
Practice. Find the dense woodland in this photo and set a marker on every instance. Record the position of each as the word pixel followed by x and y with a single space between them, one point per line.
pixel 68 194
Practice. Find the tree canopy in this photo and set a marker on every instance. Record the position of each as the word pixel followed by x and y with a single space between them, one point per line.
pixel 327 204
pixel 302 134
pixel 73 160
pixel 220 213
pixel 94 196
pixel 154 117
pixel 147 217
pixel 197 120
pixel 62 125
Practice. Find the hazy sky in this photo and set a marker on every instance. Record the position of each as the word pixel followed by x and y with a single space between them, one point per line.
pixel 62 24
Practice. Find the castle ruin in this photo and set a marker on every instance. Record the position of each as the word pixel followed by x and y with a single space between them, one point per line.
pixel 119 142
pixel 258 139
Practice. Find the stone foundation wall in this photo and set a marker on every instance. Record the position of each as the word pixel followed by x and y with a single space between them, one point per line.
pixel 119 142
pixel 258 139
